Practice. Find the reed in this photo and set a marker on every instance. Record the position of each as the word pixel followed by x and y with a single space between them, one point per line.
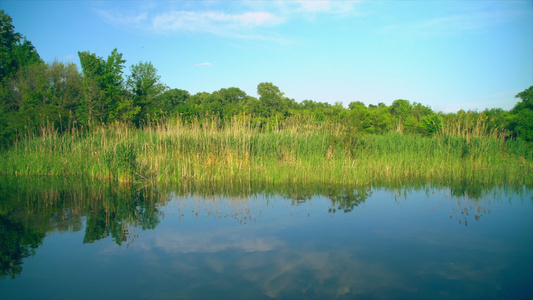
pixel 296 150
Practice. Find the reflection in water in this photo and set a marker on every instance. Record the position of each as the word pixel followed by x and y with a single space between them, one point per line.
pixel 16 242
pixel 32 207
pixel 246 240
pixel 468 211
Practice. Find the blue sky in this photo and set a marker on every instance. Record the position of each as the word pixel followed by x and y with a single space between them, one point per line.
pixel 449 55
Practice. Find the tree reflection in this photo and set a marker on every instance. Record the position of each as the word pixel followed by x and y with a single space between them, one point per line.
pixel 119 212
pixel 347 199
pixel 16 242
pixel 31 207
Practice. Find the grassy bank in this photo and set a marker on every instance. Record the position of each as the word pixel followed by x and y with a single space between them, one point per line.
pixel 297 150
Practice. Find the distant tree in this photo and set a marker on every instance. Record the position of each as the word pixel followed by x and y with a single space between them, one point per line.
pixel 360 117
pixel 496 118
pixel 420 111
pixel 106 76
pixel 232 95
pixel 311 105
pixel 382 120
pixel 233 101
pixel 65 85
pixel 355 104
pixel 253 106
pixel 527 99
pixel 172 101
pixel 271 99
pixel 15 51
pixel 521 117
pixel 145 85
pixel 403 111
pixel 430 124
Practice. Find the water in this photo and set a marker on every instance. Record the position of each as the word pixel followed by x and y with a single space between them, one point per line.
pixel 66 241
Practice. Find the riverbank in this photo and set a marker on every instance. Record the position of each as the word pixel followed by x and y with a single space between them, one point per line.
pixel 209 151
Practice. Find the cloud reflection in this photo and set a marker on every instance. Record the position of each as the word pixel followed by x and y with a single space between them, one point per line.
pixel 210 242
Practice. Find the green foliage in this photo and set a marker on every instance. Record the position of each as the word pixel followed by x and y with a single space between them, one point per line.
pixel 172 102
pixel 521 117
pixel 271 100
pixel 430 125
pixel 37 97
pixel 144 85
pixel 103 86
pixel 15 51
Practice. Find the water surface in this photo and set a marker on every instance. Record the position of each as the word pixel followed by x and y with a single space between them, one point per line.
pixel 73 240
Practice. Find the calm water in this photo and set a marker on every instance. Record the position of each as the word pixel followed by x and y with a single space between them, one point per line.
pixel 73 241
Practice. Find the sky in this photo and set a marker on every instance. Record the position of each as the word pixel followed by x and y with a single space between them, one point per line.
pixel 448 55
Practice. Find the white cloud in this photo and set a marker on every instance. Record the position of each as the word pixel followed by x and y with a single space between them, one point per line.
pixel 453 24
pixel 319 5
pixel 212 242
pixel 119 18
pixel 240 19
pixel 212 21
pixel 203 64
pixel 326 6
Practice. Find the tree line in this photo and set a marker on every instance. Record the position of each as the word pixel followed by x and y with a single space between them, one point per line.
pixel 35 94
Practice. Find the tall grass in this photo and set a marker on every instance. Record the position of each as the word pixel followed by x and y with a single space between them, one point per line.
pixel 208 151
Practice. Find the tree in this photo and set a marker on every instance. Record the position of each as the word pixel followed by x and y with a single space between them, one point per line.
pixel 271 99
pixel 93 105
pixel 232 95
pixel 521 119
pixel 355 104
pixel 144 85
pixel 233 101
pixel 65 85
pixel 430 124
pixel 360 117
pixel 403 111
pixel 106 77
pixel 8 38
pixel 527 99
pixel 171 101
pixel 15 51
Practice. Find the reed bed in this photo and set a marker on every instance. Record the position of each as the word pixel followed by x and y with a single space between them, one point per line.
pixel 210 151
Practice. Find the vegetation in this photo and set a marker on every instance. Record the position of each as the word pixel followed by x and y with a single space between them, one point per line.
pixel 293 150
pixel 56 120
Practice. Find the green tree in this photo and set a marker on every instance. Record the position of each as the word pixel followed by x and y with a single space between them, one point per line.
pixel 360 117
pixel 172 101
pixel 15 51
pixel 496 118
pixel 106 77
pixel 270 99
pixel 233 101
pixel 356 104
pixel 65 85
pixel 381 116
pixel 16 54
pixel 521 117
pixel 402 110
pixel 430 124
pixel 145 85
